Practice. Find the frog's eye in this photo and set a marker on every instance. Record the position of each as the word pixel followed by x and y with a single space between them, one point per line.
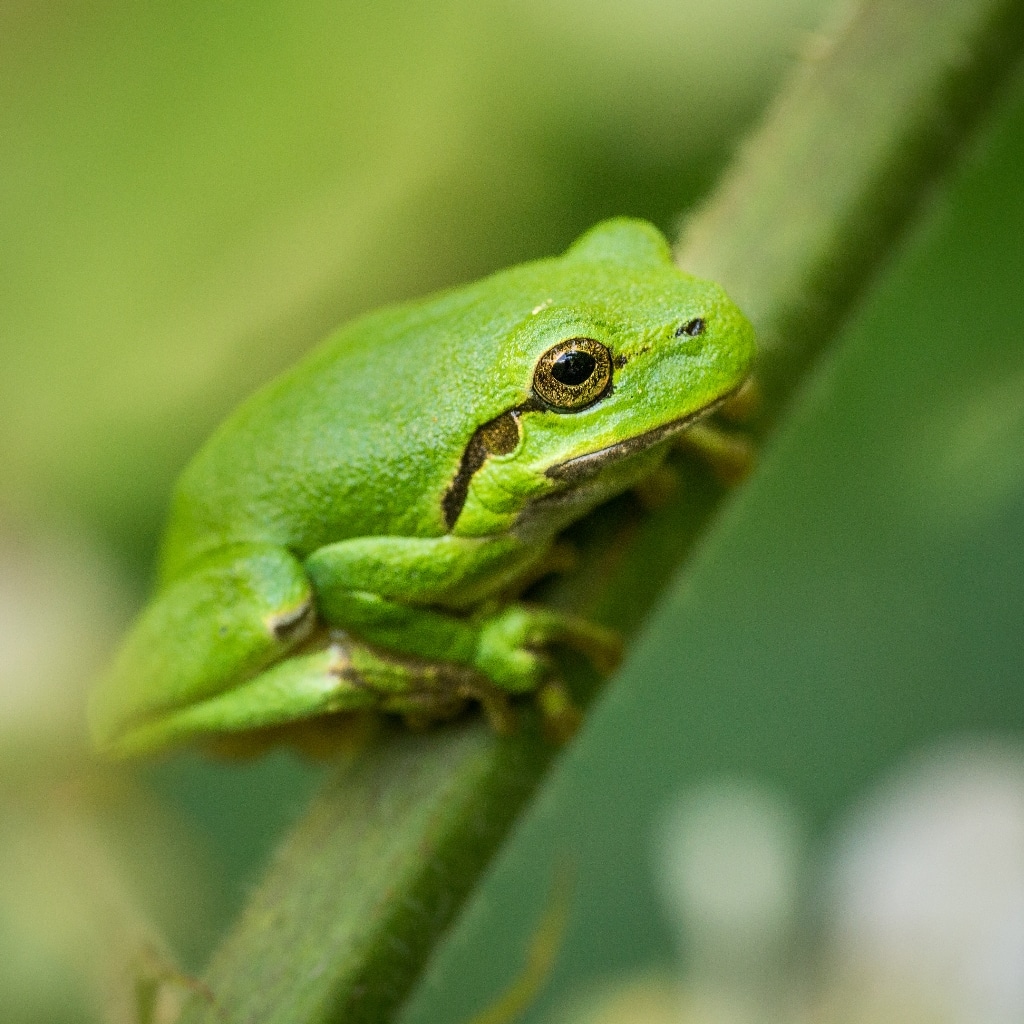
pixel 573 374
pixel 692 328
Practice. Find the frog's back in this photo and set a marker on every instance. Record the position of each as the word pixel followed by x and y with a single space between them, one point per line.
pixel 365 436
pixel 361 438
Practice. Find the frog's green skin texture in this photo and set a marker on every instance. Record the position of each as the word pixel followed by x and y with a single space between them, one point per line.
pixel 350 538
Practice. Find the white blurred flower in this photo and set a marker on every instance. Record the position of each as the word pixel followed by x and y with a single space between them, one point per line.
pixel 729 863
pixel 928 888
pixel 59 609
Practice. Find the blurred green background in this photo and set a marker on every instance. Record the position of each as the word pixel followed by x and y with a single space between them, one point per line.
pixel 194 194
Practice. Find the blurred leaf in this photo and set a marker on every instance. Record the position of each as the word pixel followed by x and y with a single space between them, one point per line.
pixel 194 194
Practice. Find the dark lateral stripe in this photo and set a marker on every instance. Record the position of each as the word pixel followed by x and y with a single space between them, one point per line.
pixel 454 498
pixel 495 437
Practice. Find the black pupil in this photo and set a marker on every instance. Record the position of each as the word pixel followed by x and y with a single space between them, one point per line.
pixel 573 368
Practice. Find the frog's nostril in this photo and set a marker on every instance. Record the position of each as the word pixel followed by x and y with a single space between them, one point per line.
pixel 692 328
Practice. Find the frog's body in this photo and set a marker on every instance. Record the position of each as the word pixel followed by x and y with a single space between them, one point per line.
pixel 397 485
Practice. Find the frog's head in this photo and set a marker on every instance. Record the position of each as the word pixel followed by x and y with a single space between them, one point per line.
pixel 620 351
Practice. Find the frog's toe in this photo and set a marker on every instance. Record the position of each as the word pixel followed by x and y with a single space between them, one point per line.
pixel 560 713
pixel 730 455
pixel 511 665
pixel 601 646
pixel 512 645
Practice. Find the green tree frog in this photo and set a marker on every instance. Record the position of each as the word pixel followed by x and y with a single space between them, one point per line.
pixel 356 534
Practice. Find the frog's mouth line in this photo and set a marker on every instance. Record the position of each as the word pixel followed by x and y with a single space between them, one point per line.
pixel 583 466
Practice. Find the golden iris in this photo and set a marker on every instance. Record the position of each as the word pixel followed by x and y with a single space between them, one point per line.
pixel 573 374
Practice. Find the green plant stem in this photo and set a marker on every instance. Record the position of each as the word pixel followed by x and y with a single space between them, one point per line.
pixel 845 154
pixel 370 878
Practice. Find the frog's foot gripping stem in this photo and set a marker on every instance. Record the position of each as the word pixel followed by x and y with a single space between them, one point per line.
pixel 743 404
pixel 512 641
pixel 510 658
pixel 730 455
pixel 512 651
pixel 425 692
pixel 404 614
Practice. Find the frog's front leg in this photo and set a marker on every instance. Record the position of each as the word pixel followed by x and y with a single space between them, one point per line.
pixel 404 594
